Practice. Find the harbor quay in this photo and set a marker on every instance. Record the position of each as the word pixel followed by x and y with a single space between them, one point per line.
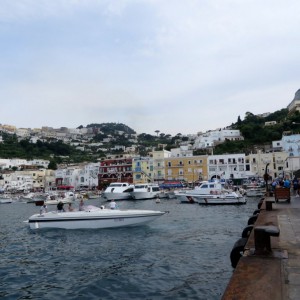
pixel 269 267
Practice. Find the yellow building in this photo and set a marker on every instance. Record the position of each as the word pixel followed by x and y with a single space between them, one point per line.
pixel 189 169
pixel 142 170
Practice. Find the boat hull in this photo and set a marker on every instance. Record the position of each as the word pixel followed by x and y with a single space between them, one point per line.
pixel 211 199
pixel 144 195
pixel 92 219
pixel 117 196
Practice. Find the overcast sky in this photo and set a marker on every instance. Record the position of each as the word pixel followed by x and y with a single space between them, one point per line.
pixel 170 65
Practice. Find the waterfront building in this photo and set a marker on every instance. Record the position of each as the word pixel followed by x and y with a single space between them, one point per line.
pixel 190 169
pixel 142 169
pixel 88 176
pixel 118 168
pixel 228 166
pixel 292 165
pixel 68 176
pixel 159 157
pixel 274 161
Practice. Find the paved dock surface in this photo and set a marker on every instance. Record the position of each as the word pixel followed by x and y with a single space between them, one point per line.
pixel 275 274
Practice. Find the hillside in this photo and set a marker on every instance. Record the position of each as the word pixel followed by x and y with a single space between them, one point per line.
pixel 256 134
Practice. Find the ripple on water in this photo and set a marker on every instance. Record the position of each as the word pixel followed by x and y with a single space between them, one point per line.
pixel 182 255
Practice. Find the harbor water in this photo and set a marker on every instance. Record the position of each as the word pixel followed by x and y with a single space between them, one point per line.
pixel 181 255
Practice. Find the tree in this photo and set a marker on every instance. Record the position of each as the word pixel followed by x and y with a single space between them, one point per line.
pixel 239 121
pixel 52 165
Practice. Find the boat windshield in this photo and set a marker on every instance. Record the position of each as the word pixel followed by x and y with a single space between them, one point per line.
pixel 115 185
pixel 140 186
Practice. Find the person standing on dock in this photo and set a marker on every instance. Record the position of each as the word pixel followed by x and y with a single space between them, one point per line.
pixel 295 186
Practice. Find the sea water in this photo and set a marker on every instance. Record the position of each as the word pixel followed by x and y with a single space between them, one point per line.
pixel 185 254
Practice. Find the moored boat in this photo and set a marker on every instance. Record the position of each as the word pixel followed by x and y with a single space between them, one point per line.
pixel 210 193
pixel 255 192
pixel 118 191
pixel 145 191
pixel 92 217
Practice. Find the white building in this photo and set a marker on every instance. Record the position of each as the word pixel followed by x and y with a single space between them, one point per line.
pixel 88 176
pixel 23 132
pixel 182 151
pixel 228 166
pixel 277 145
pixel 274 161
pixel 159 164
pixel 10 163
pixel 68 176
pixel 212 138
pixel 291 144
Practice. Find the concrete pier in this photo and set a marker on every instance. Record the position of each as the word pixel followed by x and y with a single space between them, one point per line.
pixel 270 269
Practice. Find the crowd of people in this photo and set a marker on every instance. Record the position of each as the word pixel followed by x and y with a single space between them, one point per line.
pixel 287 183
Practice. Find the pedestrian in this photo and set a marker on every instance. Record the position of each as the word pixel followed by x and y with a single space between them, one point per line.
pixel 295 186
pixel 287 183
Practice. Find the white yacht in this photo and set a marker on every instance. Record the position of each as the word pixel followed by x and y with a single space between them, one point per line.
pixel 145 191
pixel 118 191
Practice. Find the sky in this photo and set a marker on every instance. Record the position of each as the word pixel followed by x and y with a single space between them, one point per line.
pixel 169 65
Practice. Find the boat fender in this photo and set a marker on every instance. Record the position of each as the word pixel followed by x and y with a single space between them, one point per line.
pixel 260 203
pixel 246 231
pixel 252 219
pixel 257 211
pixel 237 251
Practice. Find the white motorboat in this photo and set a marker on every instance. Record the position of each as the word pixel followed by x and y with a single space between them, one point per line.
pixel 255 192
pixel 223 198
pixel 92 217
pixel 65 197
pixel 6 201
pixel 210 193
pixel 118 191
pixel 145 191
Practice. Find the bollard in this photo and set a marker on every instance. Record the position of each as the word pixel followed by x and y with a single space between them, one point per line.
pixel 262 238
pixel 269 204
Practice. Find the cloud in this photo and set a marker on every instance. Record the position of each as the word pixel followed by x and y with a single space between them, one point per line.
pixel 181 66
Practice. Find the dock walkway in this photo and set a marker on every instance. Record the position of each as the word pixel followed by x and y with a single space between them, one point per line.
pixel 275 274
